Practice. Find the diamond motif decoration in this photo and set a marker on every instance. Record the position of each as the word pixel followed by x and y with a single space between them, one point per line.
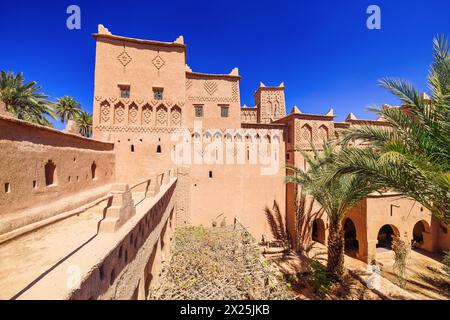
pixel 147 114
pixel 133 114
pixel 104 111
pixel 158 62
pixel 124 58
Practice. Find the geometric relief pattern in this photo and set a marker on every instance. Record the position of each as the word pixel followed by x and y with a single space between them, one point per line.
pixel 133 114
pixel 306 132
pixel 135 129
pixel 124 58
pixel 188 83
pixel 235 90
pixel 248 116
pixel 147 114
pixel 158 62
pixel 161 116
pixel 175 116
pixel 119 113
pixel 104 112
pixel 323 133
pixel 210 87
pixel 272 106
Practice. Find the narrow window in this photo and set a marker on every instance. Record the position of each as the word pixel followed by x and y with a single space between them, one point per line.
pixel 158 149
pixel 124 91
pixel 93 170
pixel 210 174
pixel 7 187
pixel 132 148
pixel 198 111
pixel 34 184
pixel 158 93
pixel 224 111
pixel 50 169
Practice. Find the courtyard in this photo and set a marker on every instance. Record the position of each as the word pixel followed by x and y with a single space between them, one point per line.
pixel 218 263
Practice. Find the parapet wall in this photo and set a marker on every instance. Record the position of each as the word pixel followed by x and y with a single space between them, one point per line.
pixel 39 165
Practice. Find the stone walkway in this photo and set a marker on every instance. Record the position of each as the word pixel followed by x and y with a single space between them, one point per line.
pixel 29 257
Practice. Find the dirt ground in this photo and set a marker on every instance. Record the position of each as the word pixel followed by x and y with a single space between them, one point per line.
pixel 297 272
pixel 425 279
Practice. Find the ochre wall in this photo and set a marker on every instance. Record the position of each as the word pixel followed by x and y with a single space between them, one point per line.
pixel 25 150
pixel 238 190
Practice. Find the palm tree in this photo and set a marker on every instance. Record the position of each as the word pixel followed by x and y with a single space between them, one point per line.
pixel 23 99
pixel 336 194
pixel 276 224
pixel 84 123
pixel 67 108
pixel 412 154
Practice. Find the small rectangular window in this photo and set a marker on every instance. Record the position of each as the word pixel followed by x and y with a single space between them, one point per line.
pixel 158 93
pixel 198 111
pixel 224 111
pixel 7 187
pixel 124 92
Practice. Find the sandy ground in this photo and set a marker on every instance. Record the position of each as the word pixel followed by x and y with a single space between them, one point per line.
pixel 293 265
pixel 425 279
pixel 29 257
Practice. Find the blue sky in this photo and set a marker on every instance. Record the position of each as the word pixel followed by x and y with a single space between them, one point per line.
pixel 321 50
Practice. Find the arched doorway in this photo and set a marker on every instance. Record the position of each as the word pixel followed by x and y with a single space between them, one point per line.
pixel 386 235
pixel 318 231
pixel 420 229
pixel 351 242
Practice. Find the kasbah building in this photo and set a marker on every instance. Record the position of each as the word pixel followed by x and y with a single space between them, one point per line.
pixel 144 94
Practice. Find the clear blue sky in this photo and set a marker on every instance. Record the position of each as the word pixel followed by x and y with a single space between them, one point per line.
pixel 321 50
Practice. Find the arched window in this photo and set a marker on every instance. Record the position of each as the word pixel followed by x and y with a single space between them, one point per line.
pixel 50 170
pixel 93 170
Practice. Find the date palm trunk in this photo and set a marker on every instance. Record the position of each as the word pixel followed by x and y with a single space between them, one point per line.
pixel 335 263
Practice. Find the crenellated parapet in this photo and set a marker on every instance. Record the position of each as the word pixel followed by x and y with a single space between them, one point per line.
pixel 249 115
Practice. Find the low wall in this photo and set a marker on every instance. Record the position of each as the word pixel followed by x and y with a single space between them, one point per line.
pixel 39 165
